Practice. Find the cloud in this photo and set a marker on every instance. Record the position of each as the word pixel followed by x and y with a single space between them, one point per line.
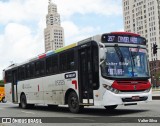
pixel 22 11
pixel 19 40
pixel 17 44
pixel 102 7
pixel 74 33
pixel 34 10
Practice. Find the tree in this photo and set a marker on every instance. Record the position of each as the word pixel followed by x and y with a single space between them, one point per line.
pixel 1 82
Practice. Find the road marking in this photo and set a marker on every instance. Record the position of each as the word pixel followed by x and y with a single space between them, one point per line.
pixel 28 112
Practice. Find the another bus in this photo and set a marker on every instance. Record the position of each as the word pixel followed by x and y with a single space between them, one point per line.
pixel 104 70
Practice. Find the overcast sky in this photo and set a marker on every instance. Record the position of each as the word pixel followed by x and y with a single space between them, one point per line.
pixel 22 23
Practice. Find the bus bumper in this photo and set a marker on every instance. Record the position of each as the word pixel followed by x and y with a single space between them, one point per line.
pixel 110 98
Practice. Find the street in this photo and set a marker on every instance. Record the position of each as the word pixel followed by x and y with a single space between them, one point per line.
pixel 87 116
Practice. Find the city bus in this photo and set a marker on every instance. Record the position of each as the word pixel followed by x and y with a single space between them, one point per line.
pixel 107 70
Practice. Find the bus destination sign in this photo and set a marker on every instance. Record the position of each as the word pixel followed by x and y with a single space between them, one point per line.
pixel 110 38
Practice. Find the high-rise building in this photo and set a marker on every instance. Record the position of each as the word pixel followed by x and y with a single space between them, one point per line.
pixel 143 17
pixel 53 33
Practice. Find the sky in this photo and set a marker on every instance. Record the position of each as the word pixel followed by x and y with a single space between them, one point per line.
pixel 22 24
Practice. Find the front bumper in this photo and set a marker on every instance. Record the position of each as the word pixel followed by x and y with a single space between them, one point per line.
pixel 110 98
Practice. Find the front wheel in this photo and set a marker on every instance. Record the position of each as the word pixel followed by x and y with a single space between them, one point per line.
pixel 110 108
pixel 73 103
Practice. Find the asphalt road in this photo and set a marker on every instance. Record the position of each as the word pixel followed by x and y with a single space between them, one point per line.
pixel 123 115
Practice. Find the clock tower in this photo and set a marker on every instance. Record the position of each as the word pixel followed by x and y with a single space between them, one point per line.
pixel 53 33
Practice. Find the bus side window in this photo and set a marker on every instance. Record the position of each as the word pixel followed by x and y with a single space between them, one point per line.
pixel 39 68
pixel 55 63
pixel 49 65
pixel 67 62
pixel 70 60
pixel 63 62
pixel 32 70
pixel 8 75
pixel 21 72
pixel 28 74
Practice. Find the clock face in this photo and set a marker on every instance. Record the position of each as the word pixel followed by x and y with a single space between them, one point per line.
pixel 57 19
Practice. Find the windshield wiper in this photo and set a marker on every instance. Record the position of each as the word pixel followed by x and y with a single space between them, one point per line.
pixel 133 56
pixel 119 53
pixel 138 47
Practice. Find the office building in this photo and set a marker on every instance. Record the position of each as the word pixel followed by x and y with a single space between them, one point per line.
pixel 143 17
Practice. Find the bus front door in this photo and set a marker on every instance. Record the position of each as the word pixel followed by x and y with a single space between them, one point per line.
pixel 85 76
pixel 14 87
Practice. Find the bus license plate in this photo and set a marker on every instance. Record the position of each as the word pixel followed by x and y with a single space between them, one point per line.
pixel 135 97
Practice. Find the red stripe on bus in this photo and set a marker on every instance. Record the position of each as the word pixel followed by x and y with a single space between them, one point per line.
pixel 123 86
pixel 125 33
pixel 42 56
pixel 75 83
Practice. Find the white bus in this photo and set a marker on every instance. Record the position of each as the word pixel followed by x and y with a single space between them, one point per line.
pixel 104 70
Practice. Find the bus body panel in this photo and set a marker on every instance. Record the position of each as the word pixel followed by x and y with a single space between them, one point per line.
pixel 8 92
pixel 47 90
pixel 33 89
pixel 55 87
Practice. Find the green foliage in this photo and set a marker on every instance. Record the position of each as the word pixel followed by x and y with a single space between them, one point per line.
pixel 1 82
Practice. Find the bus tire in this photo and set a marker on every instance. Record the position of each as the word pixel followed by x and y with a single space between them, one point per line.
pixel 110 108
pixel 23 101
pixel 3 100
pixel 73 103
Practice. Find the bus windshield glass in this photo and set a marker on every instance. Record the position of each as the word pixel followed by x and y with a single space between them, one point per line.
pixel 125 62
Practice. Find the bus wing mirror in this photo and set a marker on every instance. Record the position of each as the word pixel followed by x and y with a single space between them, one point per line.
pixel 102 51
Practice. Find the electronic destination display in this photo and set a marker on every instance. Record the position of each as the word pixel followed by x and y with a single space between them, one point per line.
pixel 128 39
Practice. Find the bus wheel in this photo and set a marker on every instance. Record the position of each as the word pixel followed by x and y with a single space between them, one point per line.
pixel 23 101
pixel 110 108
pixel 73 103
pixel 4 100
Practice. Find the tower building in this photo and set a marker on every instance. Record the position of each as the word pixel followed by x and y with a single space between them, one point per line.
pixel 53 33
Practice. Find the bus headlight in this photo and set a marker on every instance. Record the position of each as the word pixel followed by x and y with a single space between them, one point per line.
pixel 111 88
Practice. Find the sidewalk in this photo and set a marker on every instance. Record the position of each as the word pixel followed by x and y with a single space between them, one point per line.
pixel 156 94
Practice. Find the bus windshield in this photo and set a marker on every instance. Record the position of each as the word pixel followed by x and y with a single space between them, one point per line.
pixel 125 62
